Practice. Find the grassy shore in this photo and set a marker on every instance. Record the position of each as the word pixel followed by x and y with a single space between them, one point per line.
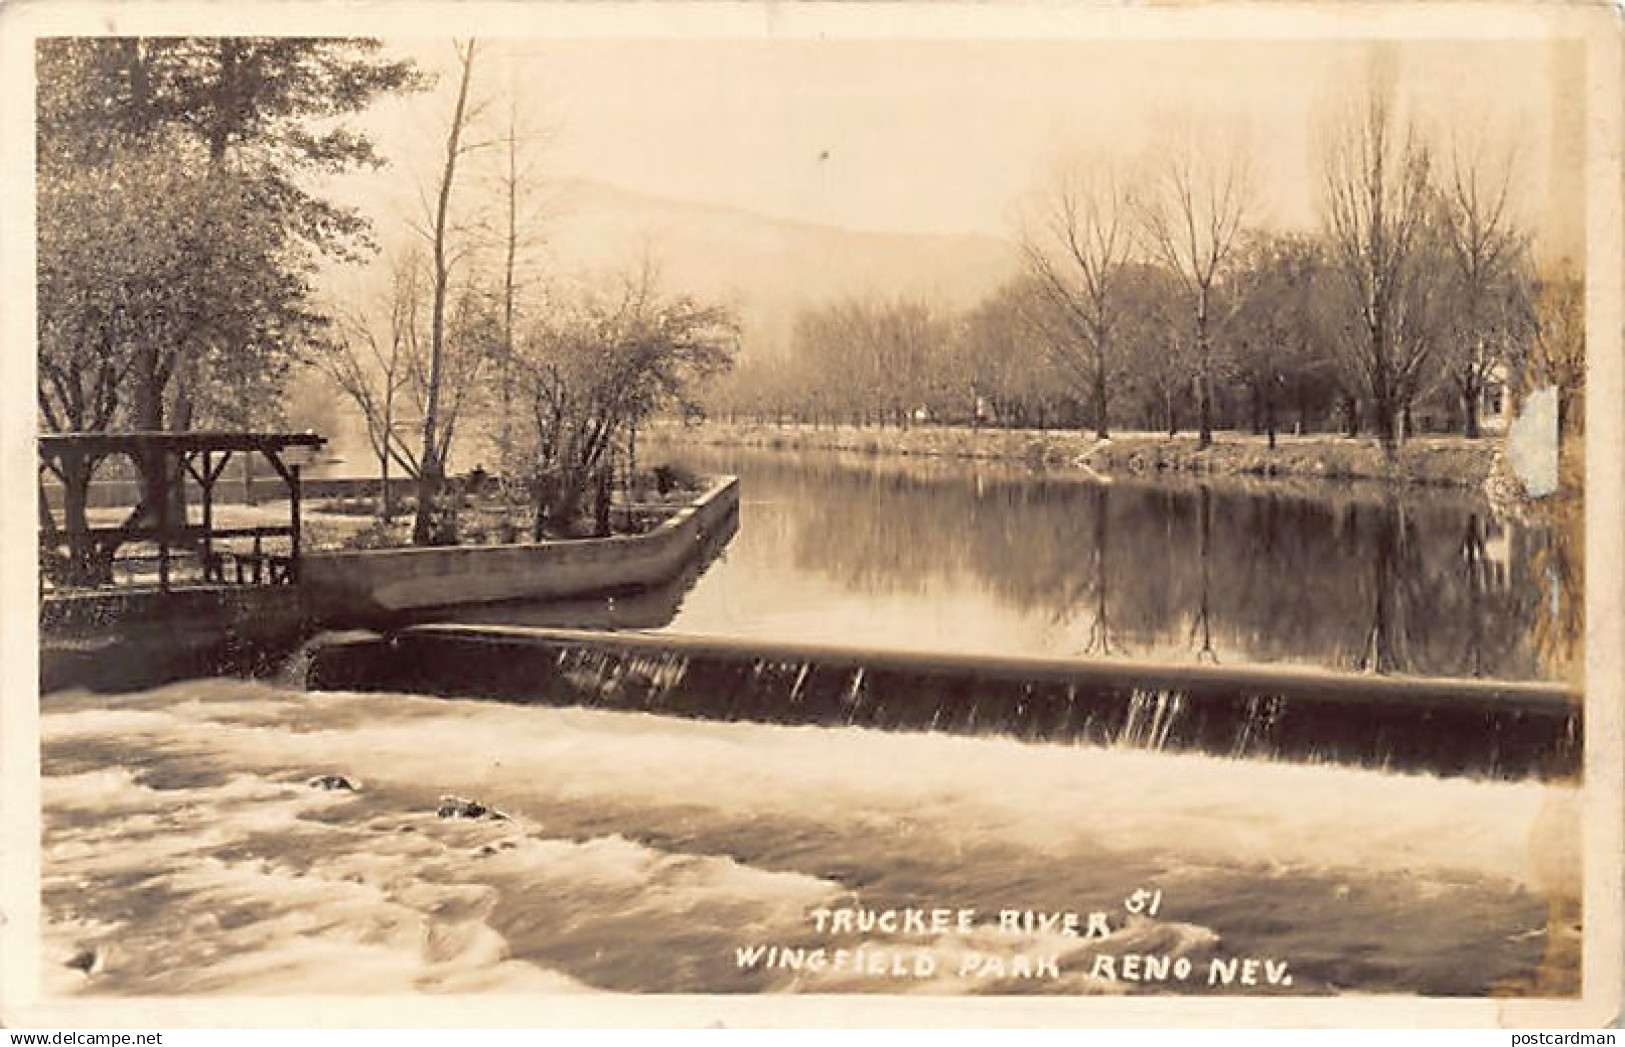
pixel 1431 460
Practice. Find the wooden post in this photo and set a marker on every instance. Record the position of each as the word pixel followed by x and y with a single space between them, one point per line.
pixel 160 461
pixel 214 475
pixel 206 481
pixel 293 522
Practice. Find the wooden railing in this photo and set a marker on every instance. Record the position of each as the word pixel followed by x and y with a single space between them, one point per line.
pixel 218 566
pixel 75 555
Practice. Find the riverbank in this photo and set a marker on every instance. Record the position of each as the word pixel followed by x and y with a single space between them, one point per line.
pixel 1447 461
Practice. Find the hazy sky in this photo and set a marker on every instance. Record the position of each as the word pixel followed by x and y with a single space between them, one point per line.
pixel 951 135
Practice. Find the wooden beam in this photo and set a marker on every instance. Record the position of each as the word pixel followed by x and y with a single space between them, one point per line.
pixel 206 481
pixel 177 442
pixel 186 532
pixel 225 457
pixel 275 459
pixel 186 460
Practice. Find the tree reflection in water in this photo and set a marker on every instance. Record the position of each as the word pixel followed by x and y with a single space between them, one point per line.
pixel 1204 541
pixel 1347 576
pixel 1555 538
pixel 1099 640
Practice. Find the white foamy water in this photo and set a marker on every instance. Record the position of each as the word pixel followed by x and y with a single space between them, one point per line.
pixel 185 852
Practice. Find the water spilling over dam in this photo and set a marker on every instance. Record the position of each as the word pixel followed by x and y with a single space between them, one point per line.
pixel 1481 728
pixel 188 850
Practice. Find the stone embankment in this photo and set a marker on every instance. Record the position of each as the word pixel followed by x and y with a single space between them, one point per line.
pixel 366 587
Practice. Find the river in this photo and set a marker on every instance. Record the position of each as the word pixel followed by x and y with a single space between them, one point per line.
pixel 946 555
pixel 187 851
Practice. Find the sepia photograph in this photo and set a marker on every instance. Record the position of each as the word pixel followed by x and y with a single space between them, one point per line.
pixel 807 514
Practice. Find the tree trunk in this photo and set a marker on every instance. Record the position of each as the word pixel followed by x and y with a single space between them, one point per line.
pixel 1469 407
pixel 1386 421
pixel 1204 410
pixel 425 527
pixel 180 421
pixel 148 407
pixel 83 566
pixel 433 470
pixel 541 504
pixel 510 254
pixel 601 502
pixel 565 505
pixel 1101 426
pixel 1204 380
pixel 386 501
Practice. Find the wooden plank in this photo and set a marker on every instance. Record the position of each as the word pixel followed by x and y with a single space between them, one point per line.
pixel 175 443
pixel 189 532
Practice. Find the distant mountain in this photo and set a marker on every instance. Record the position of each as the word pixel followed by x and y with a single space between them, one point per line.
pixel 768 268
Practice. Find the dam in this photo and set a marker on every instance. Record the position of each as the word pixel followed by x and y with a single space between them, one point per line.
pixel 1443 726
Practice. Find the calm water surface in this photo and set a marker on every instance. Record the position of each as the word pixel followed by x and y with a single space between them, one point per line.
pixel 985 557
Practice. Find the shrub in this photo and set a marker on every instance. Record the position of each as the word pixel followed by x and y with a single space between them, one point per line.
pixel 669 478
pixel 376 535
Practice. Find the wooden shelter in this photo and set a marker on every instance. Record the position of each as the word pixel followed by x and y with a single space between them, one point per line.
pixel 75 554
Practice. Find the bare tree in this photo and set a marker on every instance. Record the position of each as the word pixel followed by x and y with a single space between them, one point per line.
pixel 1377 207
pixel 907 339
pixel 1156 348
pixel 874 360
pixel 1556 354
pixel 438 424
pixel 510 256
pixel 1270 320
pixel 1075 250
pixel 516 184
pixel 371 358
pixel 1486 249
pixel 999 358
pixel 1191 217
